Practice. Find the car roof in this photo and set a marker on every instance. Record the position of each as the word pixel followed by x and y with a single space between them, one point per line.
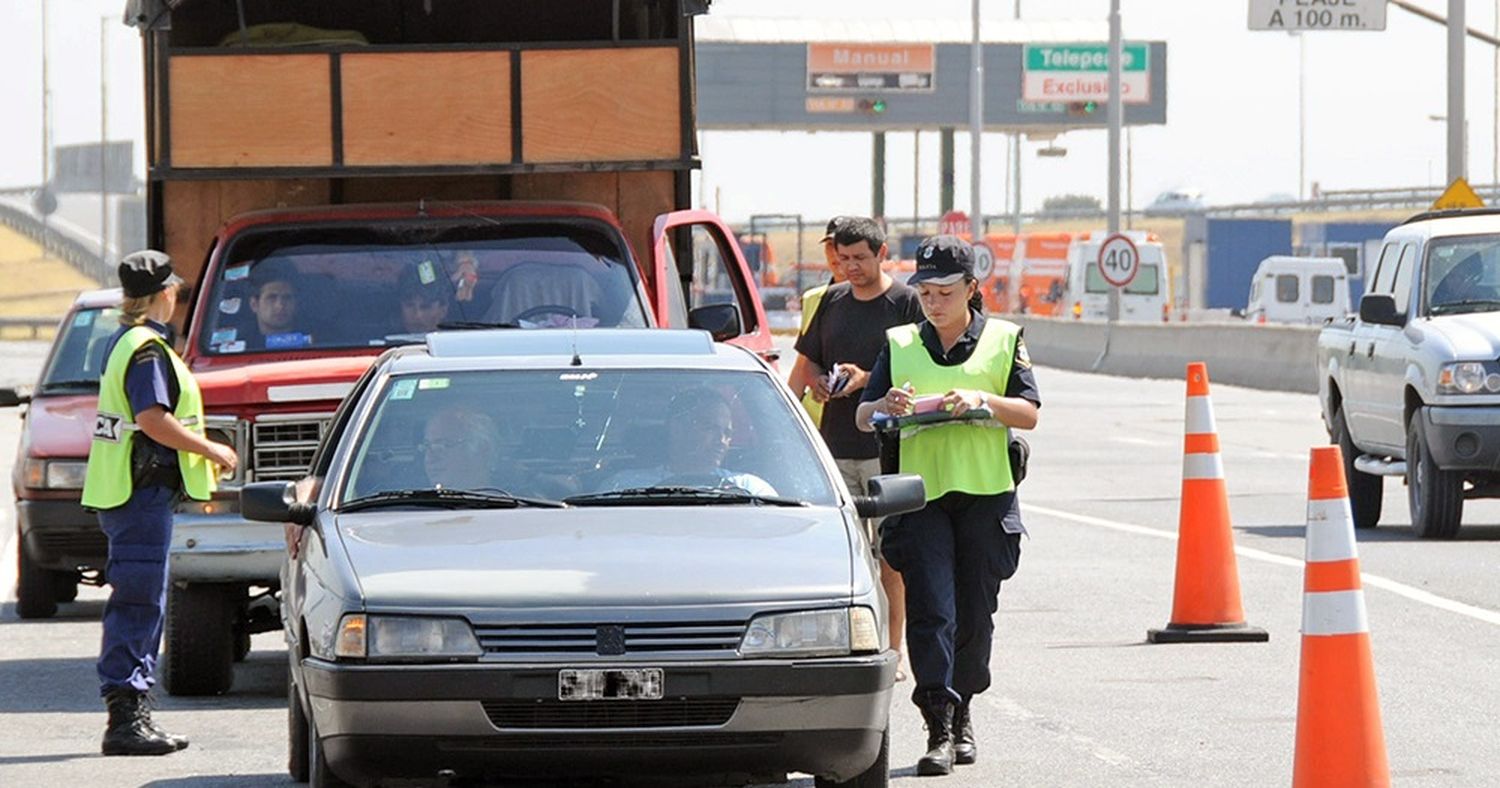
pixel 96 299
pixel 1458 222
pixel 556 349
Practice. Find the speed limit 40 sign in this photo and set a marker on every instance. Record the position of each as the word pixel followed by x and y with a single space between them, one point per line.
pixel 1119 261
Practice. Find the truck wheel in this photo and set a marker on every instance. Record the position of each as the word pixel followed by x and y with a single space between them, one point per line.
pixel 36 590
pixel 297 736
pixel 65 586
pixel 877 776
pixel 241 643
pixel 199 637
pixel 1436 496
pixel 1366 490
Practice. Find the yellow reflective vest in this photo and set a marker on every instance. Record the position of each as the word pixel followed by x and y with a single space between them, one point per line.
pixel 810 301
pixel 961 456
pixel 108 481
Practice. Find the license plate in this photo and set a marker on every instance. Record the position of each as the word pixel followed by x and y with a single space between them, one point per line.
pixel 621 684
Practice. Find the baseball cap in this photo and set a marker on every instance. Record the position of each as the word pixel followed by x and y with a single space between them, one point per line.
pixel 146 272
pixel 833 226
pixel 943 260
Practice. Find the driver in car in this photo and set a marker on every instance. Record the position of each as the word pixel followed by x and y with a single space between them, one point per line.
pixel 459 450
pixel 698 438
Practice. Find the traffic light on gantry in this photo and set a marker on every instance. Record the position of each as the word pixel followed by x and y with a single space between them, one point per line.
pixel 1083 109
pixel 872 106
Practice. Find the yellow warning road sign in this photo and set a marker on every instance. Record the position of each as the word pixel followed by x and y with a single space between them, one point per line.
pixel 1459 194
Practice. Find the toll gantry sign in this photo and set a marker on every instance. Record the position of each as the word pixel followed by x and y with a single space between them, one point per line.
pixel 1080 72
pixel 835 67
pixel 1288 15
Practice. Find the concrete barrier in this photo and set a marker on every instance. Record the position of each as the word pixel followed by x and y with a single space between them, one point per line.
pixel 1276 358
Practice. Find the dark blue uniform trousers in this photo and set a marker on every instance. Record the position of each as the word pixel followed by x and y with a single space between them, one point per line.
pixel 139 534
pixel 953 554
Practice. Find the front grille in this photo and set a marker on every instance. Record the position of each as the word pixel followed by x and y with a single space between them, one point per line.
pixel 667 713
pixel 283 450
pixel 72 544
pixel 528 742
pixel 710 637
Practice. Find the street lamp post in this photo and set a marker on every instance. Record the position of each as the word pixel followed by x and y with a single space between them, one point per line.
pixel 104 141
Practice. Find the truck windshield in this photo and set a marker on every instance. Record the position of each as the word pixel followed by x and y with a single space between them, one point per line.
pixel 1147 280
pixel 78 352
pixel 591 437
pixel 1463 275
pixel 332 287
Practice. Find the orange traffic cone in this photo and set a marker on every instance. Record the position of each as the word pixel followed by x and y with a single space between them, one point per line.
pixel 1339 738
pixel 1206 599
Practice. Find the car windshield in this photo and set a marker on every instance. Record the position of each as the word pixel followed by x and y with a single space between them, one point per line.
pixel 335 287
pixel 588 437
pixel 1463 275
pixel 78 352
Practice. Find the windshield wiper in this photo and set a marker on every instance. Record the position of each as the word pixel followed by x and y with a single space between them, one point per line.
pixel 448 499
pixel 1464 306
pixel 80 383
pixel 460 325
pixel 677 496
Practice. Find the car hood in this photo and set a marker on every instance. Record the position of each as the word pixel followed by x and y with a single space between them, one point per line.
pixel 598 557
pixel 1474 336
pixel 326 379
pixel 60 426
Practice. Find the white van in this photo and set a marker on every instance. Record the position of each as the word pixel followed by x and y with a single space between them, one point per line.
pixel 1147 298
pixel 1307 290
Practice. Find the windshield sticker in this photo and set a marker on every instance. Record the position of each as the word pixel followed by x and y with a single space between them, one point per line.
pixel 83 319
pixel 230 306
pixel 237 346
pixel 425 272
pixel 287 341
pixel 237 273
pixel 403 389
pixel 222 335
pixel 426 384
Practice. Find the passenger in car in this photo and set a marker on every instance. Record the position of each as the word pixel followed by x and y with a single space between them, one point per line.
pixel 698 439
pixel 426 295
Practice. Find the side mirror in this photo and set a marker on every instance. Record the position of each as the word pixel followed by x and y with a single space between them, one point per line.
pixel 274 502
pixel 1379 310
pixel 10 398
pixel 892 494
pixel 720 320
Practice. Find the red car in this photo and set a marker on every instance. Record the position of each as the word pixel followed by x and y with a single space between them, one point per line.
pixel 59 544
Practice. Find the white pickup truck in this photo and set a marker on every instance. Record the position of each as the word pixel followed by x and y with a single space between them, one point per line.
pixel 1411 386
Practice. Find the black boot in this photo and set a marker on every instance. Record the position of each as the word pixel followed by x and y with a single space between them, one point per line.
pixel 129 731
pixel 148 702
pixel 938 713
pixel 964 749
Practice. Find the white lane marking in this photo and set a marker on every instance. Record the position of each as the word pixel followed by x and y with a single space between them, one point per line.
pixel 1137 441
pixel 1015 711
pixel 1370 581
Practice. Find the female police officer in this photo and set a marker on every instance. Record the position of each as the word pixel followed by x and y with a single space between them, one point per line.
pixel 954 552
pixel 148 449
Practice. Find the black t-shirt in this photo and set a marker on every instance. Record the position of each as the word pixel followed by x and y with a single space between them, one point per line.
pixel 846 330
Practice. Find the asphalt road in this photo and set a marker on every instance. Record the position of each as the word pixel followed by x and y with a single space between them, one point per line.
pixel 1079 698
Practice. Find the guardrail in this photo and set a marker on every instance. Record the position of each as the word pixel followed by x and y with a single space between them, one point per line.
pixel 80 252
pixel 35 323
pixel 1269 357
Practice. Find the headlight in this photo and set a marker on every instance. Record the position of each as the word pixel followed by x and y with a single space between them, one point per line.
pixel 54 474
pixel 1467 377
pixel 813 633
pixel 405 638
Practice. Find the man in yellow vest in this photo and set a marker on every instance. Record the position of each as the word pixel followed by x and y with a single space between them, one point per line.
pixel 801 377
pixel 148 450
pixel 955 552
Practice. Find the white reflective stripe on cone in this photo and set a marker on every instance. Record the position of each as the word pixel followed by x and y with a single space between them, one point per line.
pixel 1202 466
pixel 1334 613
pixel 1200 416
pixel 1330 530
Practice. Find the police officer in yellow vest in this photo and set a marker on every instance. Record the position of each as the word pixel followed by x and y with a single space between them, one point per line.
pixel 148 450
pixel 953 553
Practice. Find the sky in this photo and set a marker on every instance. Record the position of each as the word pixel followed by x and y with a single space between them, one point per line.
pixel 1231 130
